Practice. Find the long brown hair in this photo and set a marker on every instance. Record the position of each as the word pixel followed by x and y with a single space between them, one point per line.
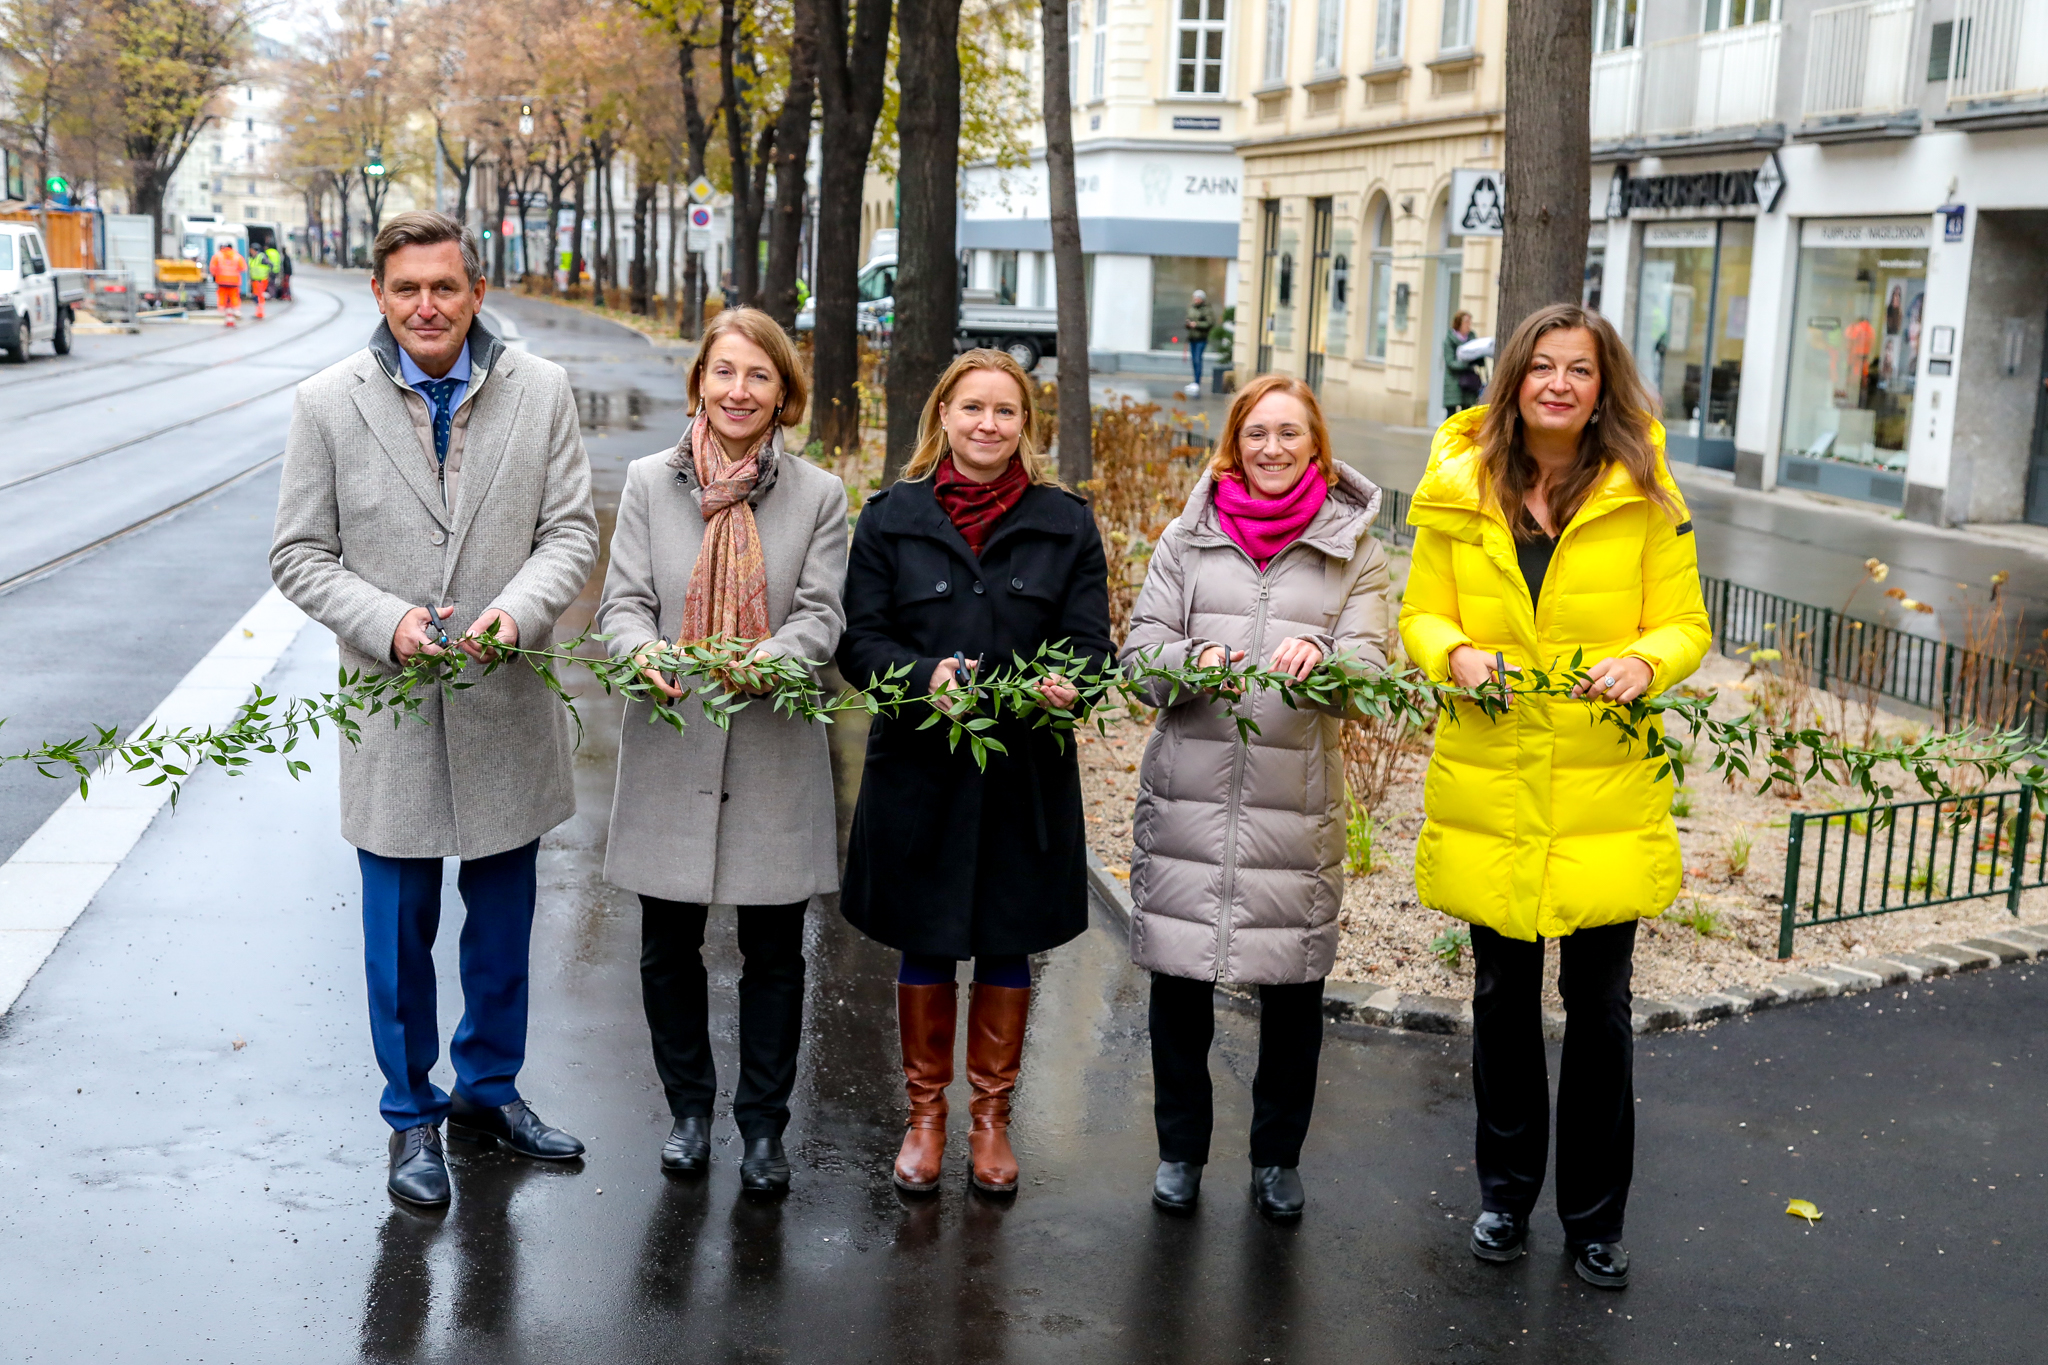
pixel 757 327
pixel 1619 432
pixel 931 437
pixel 1228 459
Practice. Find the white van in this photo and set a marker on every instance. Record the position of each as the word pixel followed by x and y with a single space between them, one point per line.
pixel 35 299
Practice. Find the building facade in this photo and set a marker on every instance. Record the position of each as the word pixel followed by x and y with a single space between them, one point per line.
pixel 1824 231
pixel 1352 263
pixel 1157 109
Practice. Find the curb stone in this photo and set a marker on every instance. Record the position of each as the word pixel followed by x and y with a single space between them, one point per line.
pixel 1355 1009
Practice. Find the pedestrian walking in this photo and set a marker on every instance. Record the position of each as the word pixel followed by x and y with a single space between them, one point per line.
pixel 227 268
pixel 730 536
pixel 280 273
pixel 1462 381
pixel 1237 870
pixel 437 476
pixel 259 278
pixel 977 558
pixel 1548 526
pixel 1200 321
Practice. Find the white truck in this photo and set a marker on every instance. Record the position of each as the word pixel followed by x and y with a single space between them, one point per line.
pixel 35 299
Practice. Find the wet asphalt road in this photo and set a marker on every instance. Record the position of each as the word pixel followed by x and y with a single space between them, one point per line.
pixel 166 1195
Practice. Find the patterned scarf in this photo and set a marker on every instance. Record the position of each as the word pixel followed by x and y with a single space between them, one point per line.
pixel 729 584
pixel 976 507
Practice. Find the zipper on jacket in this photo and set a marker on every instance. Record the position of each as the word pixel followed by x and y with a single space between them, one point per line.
pixel 1236 794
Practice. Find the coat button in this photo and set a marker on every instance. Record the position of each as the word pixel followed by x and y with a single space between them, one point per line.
pixel 978 588
pixel 439 537
pixel 723 797
pixel 1017 584
pixel 939 586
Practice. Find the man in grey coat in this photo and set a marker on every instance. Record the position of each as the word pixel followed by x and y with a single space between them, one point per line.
pixel 436 475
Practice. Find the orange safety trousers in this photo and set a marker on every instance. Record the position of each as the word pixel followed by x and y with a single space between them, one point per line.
pixel 258 288
pixel 230 299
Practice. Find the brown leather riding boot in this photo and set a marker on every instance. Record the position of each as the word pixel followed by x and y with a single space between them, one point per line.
pixel 995 1051
pixel 926 1016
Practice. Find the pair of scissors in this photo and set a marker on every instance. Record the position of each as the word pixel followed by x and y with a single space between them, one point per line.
pixel 440 632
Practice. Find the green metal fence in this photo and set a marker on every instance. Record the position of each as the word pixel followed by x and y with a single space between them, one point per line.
pixel 1852 864
pixel 1848 655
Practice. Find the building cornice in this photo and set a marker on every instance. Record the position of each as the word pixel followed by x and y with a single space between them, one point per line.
pixel 1477 121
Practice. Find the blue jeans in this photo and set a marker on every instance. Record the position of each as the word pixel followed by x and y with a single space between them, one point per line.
pixel 401 915
pixel 1195 349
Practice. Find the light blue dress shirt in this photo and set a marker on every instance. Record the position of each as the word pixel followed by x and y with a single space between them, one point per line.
pixel 414 376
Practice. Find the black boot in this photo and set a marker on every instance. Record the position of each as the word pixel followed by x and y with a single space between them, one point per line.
pixel 419 1172
pixel 1277 1192
pixel 1604 1265
pixel 1177 1186
pixel 688 1149
pixel 515 1125
pixel 764 1170
pixel 1499 1237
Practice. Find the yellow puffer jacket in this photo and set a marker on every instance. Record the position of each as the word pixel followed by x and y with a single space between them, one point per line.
pixel 1546 820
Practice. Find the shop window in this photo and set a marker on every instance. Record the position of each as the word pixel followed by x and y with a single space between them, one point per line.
pixel 1380 285
pixel 1692 319
pixel 1387 28
pixel 1199 70
pixel 1596 274
pixel 1855 346
pixel 1174 282
pixel 1276 42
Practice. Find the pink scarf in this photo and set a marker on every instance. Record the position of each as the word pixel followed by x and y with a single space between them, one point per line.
pixel 1261 527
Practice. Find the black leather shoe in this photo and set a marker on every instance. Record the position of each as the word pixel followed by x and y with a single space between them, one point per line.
pixel 764 1170
pixel 515 1125
pixel 1604 1265
pixel 688 1149
pixel 1277 1192
pixel 1500 1237
pixel 1177 1186
pixel 419 1172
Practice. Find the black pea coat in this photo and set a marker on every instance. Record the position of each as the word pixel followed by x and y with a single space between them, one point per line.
pixel 946 859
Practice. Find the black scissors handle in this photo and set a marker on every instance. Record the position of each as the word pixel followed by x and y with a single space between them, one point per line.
pixel 440 632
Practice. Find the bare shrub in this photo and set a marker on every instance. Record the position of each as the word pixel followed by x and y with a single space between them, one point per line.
pixel 1144 467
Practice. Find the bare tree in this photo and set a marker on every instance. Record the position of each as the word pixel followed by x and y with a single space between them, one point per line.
pixel 791 150
pixel 1076 431
pixel 1548 72
pixel 927 295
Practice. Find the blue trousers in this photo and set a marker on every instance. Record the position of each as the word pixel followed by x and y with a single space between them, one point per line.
pixel 401 915
pixel 1195 349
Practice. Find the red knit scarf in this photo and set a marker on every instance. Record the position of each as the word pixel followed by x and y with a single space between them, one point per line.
pixel 976 507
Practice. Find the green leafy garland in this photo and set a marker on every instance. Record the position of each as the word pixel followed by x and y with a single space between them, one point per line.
pixel 723 677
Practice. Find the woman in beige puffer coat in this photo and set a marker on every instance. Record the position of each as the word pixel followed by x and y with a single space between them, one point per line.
pixel 1237 875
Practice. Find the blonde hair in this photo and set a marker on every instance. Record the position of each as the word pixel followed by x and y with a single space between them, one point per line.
pixel 931 437
pixel 1227 460
pixel 1618 434
pixel 757 327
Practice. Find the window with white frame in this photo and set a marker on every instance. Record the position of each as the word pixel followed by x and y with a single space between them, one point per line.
pixel 1073 53
pixel 1101 77
pixel 1461 25
pixel 1276 41
pixel 1379 300
pixel 1198 38
pixel 1387 31
pixel 1614 25
pixel 1329 34
pixel 1718 14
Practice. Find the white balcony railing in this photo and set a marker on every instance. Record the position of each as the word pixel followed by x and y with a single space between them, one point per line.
pixel 1859 59
pixel 1617 94
pixel 1724 79
pixel 1999 51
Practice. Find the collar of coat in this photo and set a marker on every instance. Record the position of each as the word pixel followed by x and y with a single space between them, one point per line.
pixel 484 350
pixel 684 463
pixel 909 507
pixel 1337 529
pixel 1448 498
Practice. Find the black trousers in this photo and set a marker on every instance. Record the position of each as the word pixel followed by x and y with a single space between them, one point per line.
pixel 674 989
pixel 1596 1098
pixel 1183 1024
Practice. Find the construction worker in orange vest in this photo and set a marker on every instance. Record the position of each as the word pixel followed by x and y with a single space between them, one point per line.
pixel 227 268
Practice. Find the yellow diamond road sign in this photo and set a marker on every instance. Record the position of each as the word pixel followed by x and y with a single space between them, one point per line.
pixel 701 190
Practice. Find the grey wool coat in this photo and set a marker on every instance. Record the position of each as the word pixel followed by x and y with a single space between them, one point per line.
pixel 1238 873
pixel 741 816
pixel 364 534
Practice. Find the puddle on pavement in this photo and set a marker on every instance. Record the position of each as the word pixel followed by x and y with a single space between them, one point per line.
pixel 619 409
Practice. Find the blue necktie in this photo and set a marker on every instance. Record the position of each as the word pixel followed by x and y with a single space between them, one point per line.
pixel 440 394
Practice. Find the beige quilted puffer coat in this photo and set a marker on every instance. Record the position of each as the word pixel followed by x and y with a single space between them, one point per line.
pixel 1238 870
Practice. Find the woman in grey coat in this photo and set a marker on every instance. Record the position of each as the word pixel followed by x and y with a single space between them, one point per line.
pixel 1238 871
pixel 728 535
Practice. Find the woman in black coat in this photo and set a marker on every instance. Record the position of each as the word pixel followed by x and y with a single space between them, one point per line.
pixel 980 555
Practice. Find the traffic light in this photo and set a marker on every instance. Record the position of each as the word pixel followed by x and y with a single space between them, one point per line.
pixel 57 186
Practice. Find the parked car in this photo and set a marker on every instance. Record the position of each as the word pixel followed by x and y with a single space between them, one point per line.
pixel 36 298
pixel 984 320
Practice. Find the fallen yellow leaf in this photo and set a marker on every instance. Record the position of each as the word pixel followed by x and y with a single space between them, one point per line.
pixel 248 634
pixel 1804 1208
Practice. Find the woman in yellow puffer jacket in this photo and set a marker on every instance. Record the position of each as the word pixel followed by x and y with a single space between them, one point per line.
pixel 1548 526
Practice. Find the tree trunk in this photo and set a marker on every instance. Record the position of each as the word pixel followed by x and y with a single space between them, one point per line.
pixel 852 56
pixel 928 179
pixel 576 242
pixel 1070 283
pixel 791 152
pixel 736 69
pixel 1544 181
pixel 597 229
pixel 498 242
pixel 697 137
pixel 643 268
